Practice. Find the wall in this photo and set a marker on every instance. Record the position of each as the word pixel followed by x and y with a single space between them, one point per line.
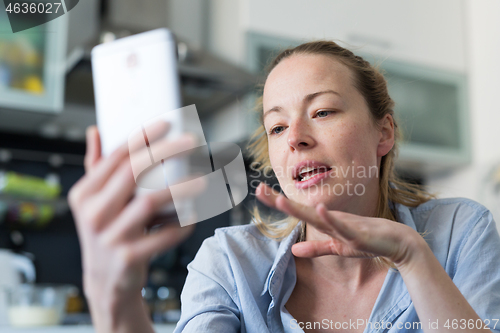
pixel 473 26
pixel 483 52
pixel 404 30
pixel 228 21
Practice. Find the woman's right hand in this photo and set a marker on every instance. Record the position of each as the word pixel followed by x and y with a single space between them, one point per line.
pixel 111 222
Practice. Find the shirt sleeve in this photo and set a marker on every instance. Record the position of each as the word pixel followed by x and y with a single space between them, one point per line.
pixel 478 270
pixel 209 293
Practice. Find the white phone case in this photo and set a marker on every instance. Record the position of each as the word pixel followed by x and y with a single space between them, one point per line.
pixel 135 81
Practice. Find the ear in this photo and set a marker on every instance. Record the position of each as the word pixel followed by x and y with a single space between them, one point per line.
pixel 386 136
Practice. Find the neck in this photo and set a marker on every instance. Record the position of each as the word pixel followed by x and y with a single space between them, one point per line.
pixel 346 272
pixel 363 205
pixel 350 272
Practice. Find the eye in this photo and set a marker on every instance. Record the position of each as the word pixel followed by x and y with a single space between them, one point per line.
pixel 277 130
pixel 323 113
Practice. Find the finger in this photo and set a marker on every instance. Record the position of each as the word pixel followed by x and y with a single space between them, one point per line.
pixel 157 151
pixel 266 195
pixel 114 195
pixel 157 130
pixel 98 169
pixel 304 213
pixel 363 236
pixel 308 214
pixel 93 148
pixel 139 213
pixel 95 177
pixel 337 221
pixel 147 135
pixel 278 201
pixel 98 177
pixel 121 185
pixel 161 220
pixel 164 239
pixel 312 249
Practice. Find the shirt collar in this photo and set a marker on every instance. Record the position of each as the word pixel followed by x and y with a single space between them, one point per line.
pixel 284 253
pixel 404 215
pixel 281 260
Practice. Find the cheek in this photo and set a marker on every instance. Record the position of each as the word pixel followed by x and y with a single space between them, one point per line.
pixel 277 161
pixel 346 137
pixel 357 143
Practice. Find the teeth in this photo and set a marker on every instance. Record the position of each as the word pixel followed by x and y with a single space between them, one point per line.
pixel 306 169
pixel 307 177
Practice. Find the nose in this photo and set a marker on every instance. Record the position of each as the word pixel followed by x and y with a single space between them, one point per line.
pixel 300 137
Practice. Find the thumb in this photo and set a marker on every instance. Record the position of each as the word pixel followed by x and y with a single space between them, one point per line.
pixel 315 248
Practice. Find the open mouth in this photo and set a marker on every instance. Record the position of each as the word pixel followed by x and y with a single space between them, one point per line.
pixel 307 173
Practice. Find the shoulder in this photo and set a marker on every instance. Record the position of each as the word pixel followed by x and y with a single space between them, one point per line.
pixel 242 233
pixel 451 203
pixel 238 259
pixel 459 214
pixel 240 240
pixel 236 251
pixel 453 228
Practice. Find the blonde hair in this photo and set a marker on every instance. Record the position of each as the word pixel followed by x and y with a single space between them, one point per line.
pixel 372 85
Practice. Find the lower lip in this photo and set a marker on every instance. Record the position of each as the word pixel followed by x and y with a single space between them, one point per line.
pixel 313 180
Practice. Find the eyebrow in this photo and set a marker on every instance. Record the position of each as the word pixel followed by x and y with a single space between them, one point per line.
pixel 307 99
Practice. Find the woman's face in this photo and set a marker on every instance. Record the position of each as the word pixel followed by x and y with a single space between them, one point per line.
pixel 323 143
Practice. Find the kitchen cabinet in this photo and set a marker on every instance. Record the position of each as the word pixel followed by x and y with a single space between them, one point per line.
pixel 34 62
pixel 431 107
pixel 425 32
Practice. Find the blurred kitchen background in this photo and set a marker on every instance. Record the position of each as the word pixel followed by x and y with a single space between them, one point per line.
pixel 440 58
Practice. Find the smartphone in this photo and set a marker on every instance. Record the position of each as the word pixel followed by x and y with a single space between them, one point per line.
pixel 136 80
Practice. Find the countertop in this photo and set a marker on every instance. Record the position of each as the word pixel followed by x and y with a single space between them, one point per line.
pixel 166 328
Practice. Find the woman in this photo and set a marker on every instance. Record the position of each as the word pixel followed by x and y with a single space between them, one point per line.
pixel 327 122
pixel 356 259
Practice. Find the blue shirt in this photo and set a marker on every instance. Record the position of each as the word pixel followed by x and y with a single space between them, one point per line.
pixel 240 280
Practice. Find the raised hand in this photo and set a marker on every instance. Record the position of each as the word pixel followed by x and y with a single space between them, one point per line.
pixel 350 235
pixel 111 226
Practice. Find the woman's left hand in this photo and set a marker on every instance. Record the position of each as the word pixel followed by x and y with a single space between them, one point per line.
pixel 350 235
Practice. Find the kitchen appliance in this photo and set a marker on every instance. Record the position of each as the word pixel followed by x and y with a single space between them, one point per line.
pixel 12 265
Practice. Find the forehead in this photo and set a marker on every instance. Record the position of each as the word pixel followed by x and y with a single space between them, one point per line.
pixel 300 75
